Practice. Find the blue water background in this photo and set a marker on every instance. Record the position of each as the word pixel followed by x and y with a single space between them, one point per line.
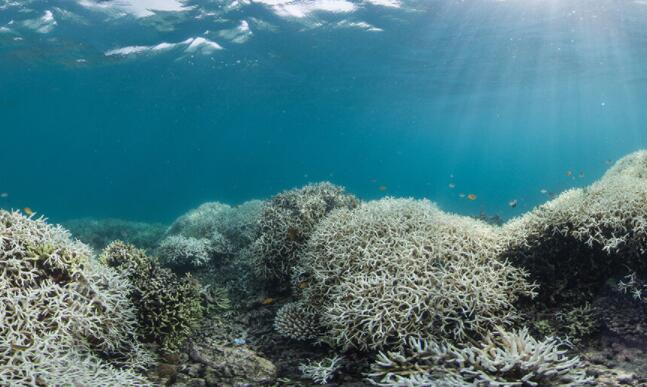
pixel 505 96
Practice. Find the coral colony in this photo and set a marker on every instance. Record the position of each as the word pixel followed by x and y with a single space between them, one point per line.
pixel 316 286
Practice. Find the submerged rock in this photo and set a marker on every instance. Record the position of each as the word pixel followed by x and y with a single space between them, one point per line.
pixel 229 366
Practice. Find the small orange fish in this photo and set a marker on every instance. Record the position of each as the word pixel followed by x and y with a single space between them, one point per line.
pixel 471 197
pixel 268 301
pixel 28 211
pixel 382 188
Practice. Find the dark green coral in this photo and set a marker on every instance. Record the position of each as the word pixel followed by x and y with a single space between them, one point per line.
pixel 168 307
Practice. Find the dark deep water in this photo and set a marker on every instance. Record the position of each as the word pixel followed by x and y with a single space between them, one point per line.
pixel 509 98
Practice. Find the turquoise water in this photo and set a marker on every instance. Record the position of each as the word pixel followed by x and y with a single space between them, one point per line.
pixel 144 109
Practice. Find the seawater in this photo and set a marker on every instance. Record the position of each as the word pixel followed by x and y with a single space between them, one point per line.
pixel 144 109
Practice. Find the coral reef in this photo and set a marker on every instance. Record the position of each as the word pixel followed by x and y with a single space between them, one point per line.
pixel 98 233
pixel 574 323
pixel 200 222
pixel 217 299
pixel 600 230
pixel 578 323
pixel 503 359
pixel 215 239
pixel 229 229
pixel 298 321
pixel 168 307
pixel 322 371
pixel 634 286
pixel 396 268
pixel 430 298
pixel 184 252
pixel 287 221
pixel 64 319
pixel 241 224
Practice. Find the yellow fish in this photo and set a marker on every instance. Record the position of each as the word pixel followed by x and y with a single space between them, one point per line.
pixel 268 301
pixel 569 173
pixel 471 197
pixel 28 211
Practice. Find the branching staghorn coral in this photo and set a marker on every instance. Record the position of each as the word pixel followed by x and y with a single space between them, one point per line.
pixel 396 268
pixel 184 252
pixel 212 232
pixel 578 323
pixel 502 359
pixel 213 220
pixel 322 371
pixel 200 222
pixel 168 307
pixel 287 221
pixel 634 286
pixel 62 315
pixel 599 229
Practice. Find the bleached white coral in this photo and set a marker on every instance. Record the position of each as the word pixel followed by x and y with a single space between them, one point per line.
pixel 633 286
pixel 502 359
pixel 394 268
pixel 598 229
pixel 287 221
pixel 633 165
pixel 57 304
pixel 200 222
pixel 181 251
pixel 321 371
pixel 241 223
pixel 211 232
pixel 217 220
